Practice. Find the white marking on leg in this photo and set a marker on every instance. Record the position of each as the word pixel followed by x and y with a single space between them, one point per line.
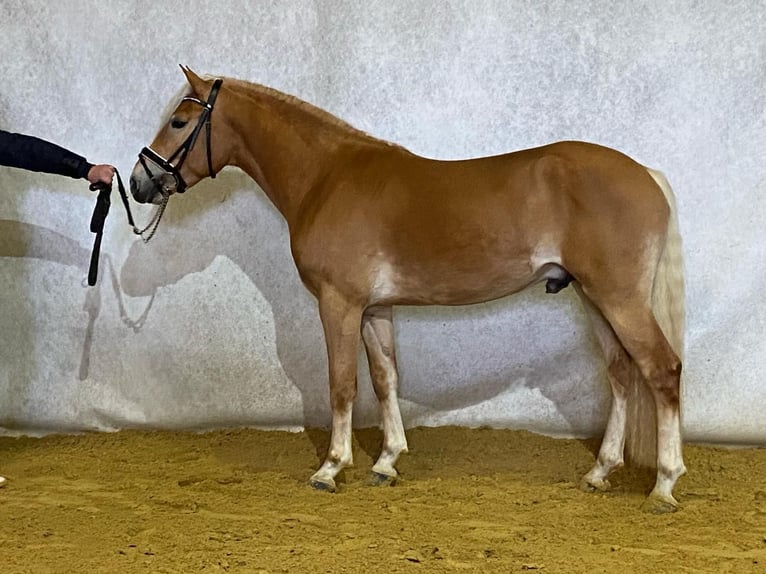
pixel 670 463
pixel 2 481
pixel 340 454
pixel 610 455
pixel 378 334
pixel 394 439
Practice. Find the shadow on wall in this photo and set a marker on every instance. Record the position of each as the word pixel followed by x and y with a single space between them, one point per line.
pixel 21 240
pixel 224 217
pixel 25 240
pixel 17 321
pixel 16 326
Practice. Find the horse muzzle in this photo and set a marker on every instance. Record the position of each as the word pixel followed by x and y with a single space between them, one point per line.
pixel 146 190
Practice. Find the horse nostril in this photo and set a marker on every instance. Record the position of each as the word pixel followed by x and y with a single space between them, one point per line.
pixel 133 186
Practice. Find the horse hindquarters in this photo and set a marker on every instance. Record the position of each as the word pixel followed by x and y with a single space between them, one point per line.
pixel 646 316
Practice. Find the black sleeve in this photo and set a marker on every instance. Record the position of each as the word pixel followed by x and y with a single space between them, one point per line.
pixel 34 154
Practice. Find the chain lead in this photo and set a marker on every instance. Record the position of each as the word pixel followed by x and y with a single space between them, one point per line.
pixel 154 223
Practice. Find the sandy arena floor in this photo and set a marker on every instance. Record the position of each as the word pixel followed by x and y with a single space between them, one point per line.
pixel 469 501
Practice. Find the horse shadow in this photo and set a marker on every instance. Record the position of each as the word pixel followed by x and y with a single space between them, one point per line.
pixel 231 217
pixel 25 240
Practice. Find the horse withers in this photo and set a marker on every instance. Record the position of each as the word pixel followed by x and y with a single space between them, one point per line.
pixel 373 225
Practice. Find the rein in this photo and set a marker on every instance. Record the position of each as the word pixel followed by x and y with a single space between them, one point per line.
pixel 101 210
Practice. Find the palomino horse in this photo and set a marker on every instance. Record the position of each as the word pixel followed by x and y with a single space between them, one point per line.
pixel 373 225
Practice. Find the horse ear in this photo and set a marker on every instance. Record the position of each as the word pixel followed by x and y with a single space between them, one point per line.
pixel 197 84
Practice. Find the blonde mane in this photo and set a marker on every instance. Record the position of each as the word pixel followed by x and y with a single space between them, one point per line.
pixel 255 91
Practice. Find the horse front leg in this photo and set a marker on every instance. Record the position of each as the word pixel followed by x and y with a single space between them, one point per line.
pixel 378 335
pixel 341 321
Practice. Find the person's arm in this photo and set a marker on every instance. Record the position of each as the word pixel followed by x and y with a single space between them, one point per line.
pixel 34 154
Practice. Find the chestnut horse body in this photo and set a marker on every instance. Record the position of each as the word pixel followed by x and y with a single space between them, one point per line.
pixel 373 225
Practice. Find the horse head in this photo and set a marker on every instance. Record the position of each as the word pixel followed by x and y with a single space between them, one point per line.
pixel 176 158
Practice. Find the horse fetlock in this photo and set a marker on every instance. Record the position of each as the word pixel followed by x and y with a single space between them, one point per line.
pixel 669 475
pixel 595 479
pixel 674 473
pixel 340 459
pixel 385 465
pixel 608 464
pixel 394 448
pixel 324 478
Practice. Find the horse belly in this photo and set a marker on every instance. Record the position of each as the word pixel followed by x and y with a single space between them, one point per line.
pixel 454 283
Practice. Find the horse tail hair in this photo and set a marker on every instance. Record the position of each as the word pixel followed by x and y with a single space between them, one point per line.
pixel 668 309
pixel 668 292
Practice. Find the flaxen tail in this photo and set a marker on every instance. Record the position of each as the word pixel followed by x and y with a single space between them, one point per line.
pixel 668 308
pixel 668 294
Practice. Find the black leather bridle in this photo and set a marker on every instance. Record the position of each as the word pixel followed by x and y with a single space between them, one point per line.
pixel 166 165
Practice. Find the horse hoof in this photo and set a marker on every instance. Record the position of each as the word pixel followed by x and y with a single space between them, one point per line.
pixel 655 505
pixel 324 485
pixel 595 485
pixel 380 479
pixel 2 481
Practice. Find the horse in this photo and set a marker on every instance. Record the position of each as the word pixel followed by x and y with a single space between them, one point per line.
pixel 373 225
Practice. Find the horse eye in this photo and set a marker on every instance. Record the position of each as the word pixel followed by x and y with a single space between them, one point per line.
pixel 178 124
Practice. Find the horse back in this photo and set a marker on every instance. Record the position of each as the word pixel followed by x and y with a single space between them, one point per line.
pixel 408 229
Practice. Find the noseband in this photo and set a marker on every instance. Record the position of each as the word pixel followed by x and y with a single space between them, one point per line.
pixel 167 166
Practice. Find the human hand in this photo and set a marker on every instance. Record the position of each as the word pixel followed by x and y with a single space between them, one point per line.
pixel 101 173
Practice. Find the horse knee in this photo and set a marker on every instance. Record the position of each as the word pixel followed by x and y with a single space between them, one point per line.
pixel 343 395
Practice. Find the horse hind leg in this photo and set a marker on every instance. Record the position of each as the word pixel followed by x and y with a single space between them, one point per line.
pixel 622 374
pixel 378 336
pixel 635 325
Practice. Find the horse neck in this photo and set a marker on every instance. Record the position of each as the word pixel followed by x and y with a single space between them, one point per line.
pixel 284 146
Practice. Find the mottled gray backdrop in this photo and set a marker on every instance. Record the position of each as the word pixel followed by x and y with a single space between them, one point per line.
pixel 209 325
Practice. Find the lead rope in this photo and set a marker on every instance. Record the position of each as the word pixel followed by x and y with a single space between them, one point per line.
pixel 101 210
